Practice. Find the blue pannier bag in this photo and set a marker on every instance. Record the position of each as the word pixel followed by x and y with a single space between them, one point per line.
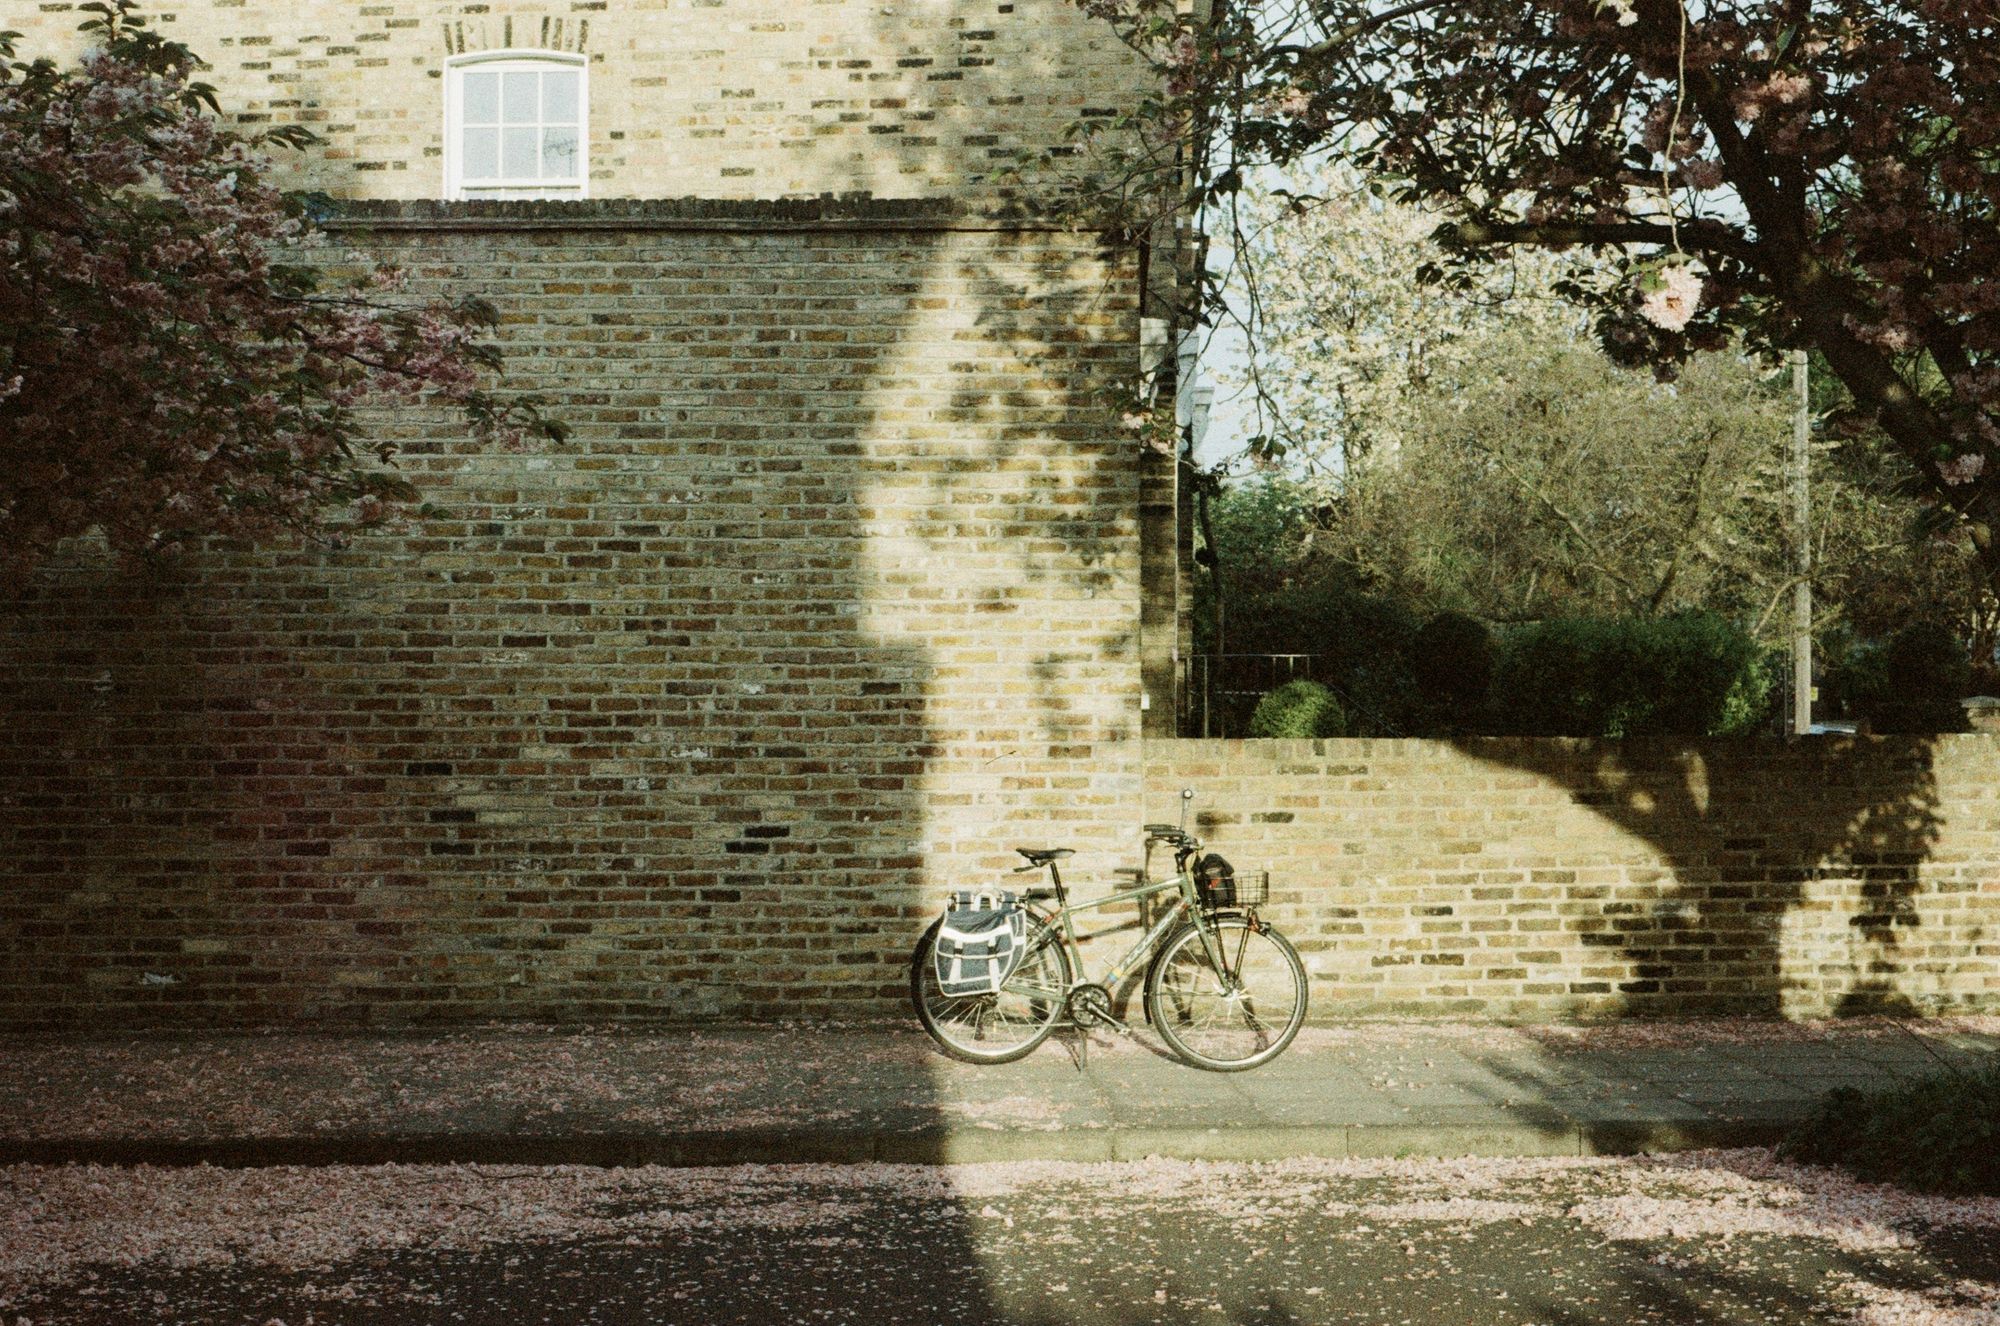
pixel 980 943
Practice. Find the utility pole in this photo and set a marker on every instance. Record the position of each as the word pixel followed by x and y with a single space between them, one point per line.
pixel 1802 687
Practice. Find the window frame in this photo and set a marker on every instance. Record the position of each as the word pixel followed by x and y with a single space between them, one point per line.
pixel 456 188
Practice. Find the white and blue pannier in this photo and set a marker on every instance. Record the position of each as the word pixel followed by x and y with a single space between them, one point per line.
pixel 980 943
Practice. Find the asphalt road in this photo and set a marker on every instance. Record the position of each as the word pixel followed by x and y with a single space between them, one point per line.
pixel 1723 1238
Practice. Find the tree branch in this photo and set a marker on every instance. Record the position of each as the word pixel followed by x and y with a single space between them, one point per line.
pixel 1712 236
pixel 1361 28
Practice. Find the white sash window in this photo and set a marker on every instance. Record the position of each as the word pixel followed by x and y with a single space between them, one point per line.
pixel 516 125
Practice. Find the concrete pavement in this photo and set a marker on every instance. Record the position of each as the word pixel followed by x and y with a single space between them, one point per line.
pixel 709 1095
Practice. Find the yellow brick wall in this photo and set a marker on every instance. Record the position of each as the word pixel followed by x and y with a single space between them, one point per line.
pixel 828 603
pixel 1525 878
pixel 688 98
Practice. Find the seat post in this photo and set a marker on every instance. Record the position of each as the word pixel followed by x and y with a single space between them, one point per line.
pixel 1055 878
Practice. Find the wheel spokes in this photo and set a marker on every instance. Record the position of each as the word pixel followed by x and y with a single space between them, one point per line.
pixel 995 1024
pixel 1218 1017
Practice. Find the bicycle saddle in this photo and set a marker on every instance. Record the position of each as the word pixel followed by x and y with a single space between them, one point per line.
pixel 1041 856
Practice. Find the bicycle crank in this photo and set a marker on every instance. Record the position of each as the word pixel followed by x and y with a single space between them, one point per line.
pixel 1089 1005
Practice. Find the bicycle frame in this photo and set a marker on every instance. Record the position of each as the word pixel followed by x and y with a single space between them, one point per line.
pixel 1234 997
pixel 1183 909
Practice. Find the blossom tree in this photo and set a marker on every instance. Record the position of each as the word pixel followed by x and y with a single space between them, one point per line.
pixel 174 363
pixel 1347 344
pixel 1799 173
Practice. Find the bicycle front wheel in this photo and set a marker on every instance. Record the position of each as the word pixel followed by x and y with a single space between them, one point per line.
pixel 994 1028
pixel 1236 1018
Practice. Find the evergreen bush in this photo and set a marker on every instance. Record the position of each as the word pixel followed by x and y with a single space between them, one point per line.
pixel 1913 682
pixel 1298 709
pixel 1692 673
pixel 1451 660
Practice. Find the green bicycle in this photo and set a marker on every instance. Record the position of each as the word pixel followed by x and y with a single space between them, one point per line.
pixel 1223 988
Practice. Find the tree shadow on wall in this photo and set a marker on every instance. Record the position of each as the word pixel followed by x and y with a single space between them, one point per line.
pixel 664 709
pixel 1752 877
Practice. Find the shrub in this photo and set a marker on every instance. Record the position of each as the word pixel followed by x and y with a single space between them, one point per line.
pixel 1756 700
pixel 1451 659
pixel 1326 614
pixel 1380 698
pixel 1360 643
pixel 1299 709
pixel 1707 657
pixel 1913 682
pixel 1936 1134
pixel 1691 673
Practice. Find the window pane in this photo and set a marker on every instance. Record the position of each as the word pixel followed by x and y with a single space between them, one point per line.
pixel 559 155
pixel 518 154
pixel 517 97
pixel 482 154
pixel 482 98
pixel 559 88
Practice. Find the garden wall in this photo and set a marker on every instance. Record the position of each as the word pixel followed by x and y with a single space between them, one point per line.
pixel 1526 878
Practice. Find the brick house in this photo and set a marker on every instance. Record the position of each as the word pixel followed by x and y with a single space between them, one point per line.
pixel 835 585
pixel 845 583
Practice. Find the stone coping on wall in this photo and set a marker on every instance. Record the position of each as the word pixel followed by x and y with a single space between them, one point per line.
pixel 855 212
pixel 1358 746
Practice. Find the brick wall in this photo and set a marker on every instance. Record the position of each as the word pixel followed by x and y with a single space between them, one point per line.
pixel 832 590
pixel 694 98
pixel 1542 878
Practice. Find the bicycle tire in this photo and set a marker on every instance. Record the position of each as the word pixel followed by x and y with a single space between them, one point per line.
pixel 996 1028
pixel 1211 1026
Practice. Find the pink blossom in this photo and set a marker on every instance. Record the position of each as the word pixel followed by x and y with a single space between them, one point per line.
pixel 225 353
pixel 1962 469
pixel 1296 102
pixel 1672 301
pixel 1704 174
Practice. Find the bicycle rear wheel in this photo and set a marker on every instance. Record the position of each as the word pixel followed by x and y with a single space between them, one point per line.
pixel 994 1028
pixel 1234 1019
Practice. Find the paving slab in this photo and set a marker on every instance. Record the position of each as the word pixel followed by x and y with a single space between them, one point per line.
pixel 713 1095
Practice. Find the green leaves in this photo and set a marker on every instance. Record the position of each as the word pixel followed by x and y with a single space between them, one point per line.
pixel 228 370
pixel 1940 1133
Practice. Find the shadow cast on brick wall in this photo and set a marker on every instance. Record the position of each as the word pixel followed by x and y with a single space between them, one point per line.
pixel 608 737
pixel 657 725
pixel 1531 878
pixel 690 717
pixel 1769 878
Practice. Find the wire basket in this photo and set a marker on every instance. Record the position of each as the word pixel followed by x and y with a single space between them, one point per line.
pixel 1225 888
